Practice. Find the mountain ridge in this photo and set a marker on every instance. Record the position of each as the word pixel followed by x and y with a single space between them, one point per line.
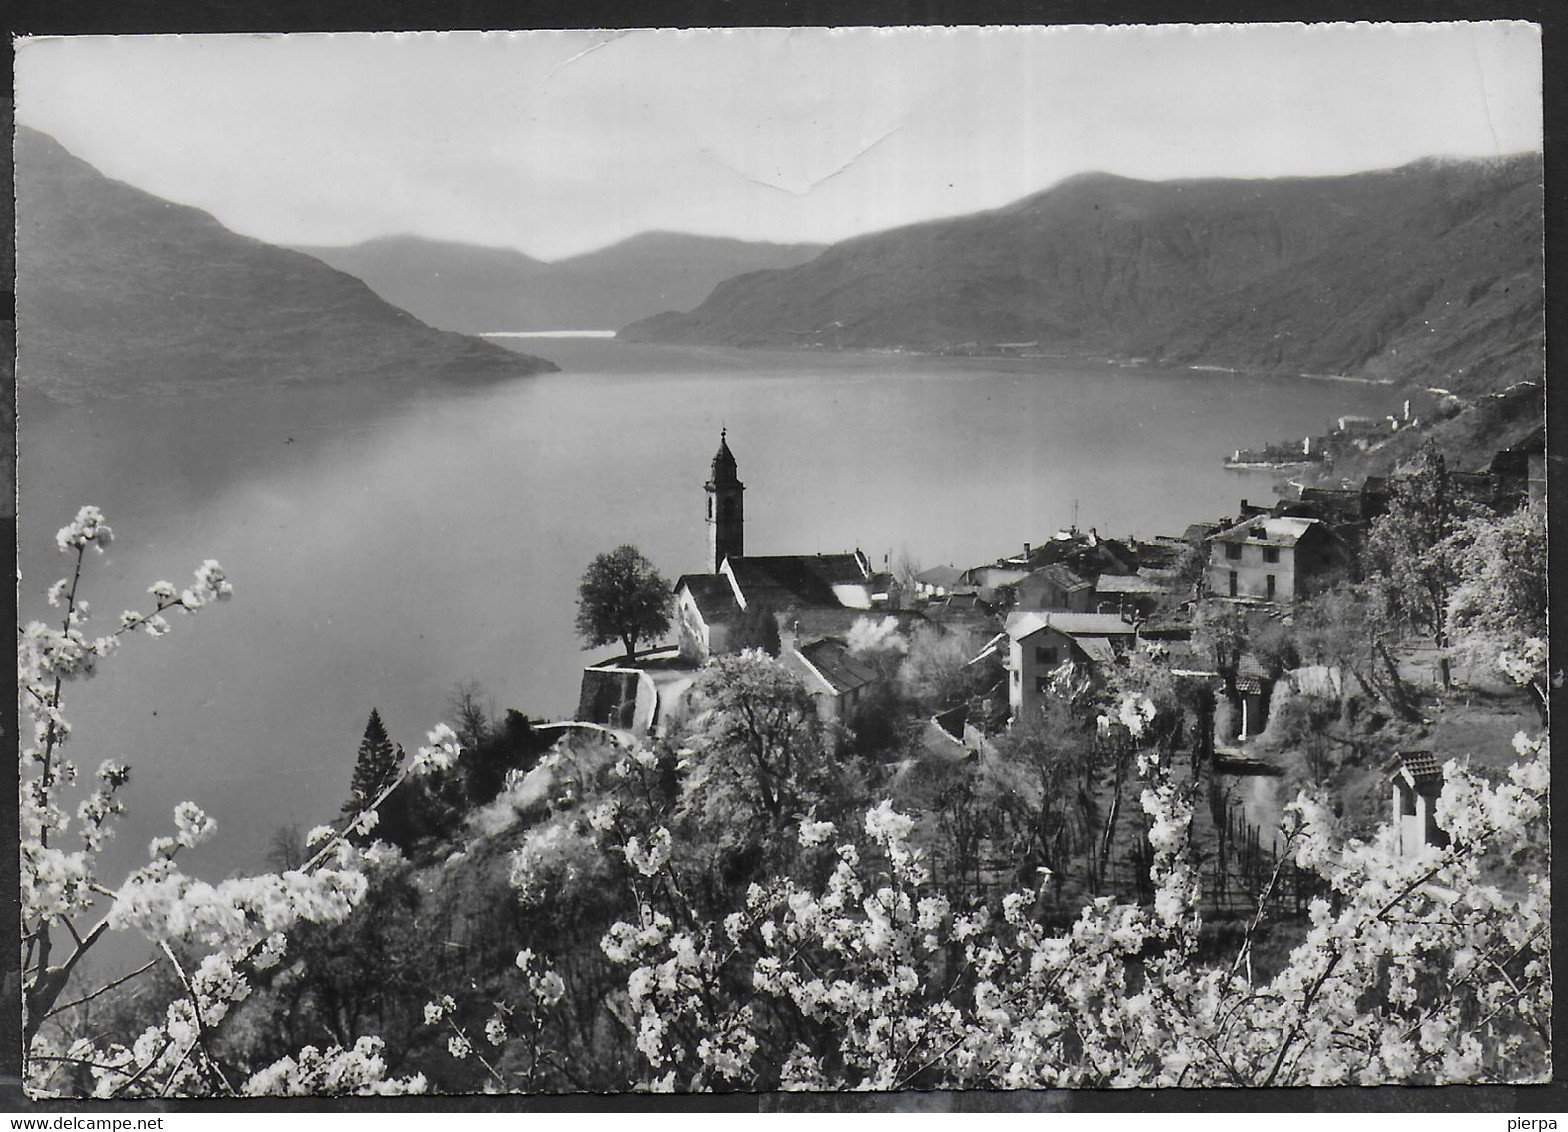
pixel 477 288
pixel 1423 272
pixel 121 292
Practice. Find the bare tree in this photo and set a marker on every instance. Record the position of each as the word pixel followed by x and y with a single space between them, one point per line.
pixel 473 712
pixel 286 850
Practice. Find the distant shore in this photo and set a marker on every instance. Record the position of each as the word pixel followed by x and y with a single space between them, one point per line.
pixel 546 334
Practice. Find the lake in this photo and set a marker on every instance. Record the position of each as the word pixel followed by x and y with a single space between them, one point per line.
pixel 385 546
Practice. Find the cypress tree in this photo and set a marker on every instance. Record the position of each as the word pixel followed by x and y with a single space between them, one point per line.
pixel 377 763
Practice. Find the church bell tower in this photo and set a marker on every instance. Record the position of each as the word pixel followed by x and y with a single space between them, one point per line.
pixel 726 507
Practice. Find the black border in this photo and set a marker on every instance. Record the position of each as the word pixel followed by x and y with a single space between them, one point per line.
pixel 101 17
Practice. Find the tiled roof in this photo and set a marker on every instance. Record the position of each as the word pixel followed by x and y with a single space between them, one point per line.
pixel 944 576
pixel 799 579
pixel 1249 665
pixel 713 595
pixel 1273 530
pixel 1062 575
pixel 958 607
pixel 1422 765
pixel 1129 584
pixel 1020 625
pixel 832 661
pixel 1097 649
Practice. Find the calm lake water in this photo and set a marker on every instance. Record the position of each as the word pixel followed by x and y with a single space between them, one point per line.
pixel 383 548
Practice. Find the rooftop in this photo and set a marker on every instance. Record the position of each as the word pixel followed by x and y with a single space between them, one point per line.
pixel 1059 573
pixel 1422 766
pixel 831 659
pixel 1131 584
pixel 781 580
pixel 712 593
pixel 1271 530
pixel 1020 625
pixel 944 576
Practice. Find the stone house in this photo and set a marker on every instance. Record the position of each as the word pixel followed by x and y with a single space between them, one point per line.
pixel 837 680
pixel 1039 642
pixel 1274 558
pixel 1055 586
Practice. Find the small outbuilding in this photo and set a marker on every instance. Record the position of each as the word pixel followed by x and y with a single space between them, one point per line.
pixel 1416 780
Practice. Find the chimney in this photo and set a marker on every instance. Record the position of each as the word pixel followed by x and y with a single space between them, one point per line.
pixel 1027 548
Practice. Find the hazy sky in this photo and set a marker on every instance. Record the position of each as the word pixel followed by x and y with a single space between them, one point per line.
pixel 560 142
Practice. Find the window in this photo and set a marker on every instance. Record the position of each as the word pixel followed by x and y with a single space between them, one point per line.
pixel 1233 551
pixel 1270 580
pixel 1046 655
pixel 1233 583
pixel 1271 554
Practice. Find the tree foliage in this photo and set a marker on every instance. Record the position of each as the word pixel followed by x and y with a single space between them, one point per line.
pixel 739 907
pixel 623 598
pixel 1499 598
pixel 758 754
pixel 375 765
pixel 1409 553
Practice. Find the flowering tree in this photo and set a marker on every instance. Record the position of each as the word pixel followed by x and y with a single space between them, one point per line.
pixel 1410 550
pixel 1412 969
pixel 836 962
pixel 1498 607
pixel 852 971
pixel 237 929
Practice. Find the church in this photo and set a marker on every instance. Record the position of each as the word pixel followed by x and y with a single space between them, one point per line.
pixel 810 595
pixel 813 599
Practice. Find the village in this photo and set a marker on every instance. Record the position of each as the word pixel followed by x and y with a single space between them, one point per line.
pixel 1076 605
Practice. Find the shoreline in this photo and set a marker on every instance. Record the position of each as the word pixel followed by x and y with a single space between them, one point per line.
pixel 1030 359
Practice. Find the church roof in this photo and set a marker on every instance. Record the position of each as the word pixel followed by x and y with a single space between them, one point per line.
pixel 713 595
pixel 724 470
pixel 781 580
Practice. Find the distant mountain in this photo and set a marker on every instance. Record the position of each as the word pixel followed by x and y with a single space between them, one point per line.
pixel 119 291
pixel 477 289
pixel 1430 274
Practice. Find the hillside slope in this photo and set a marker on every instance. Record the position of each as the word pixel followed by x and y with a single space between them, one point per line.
pixel 1429 273
pixel 477 289
pixel 121 292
